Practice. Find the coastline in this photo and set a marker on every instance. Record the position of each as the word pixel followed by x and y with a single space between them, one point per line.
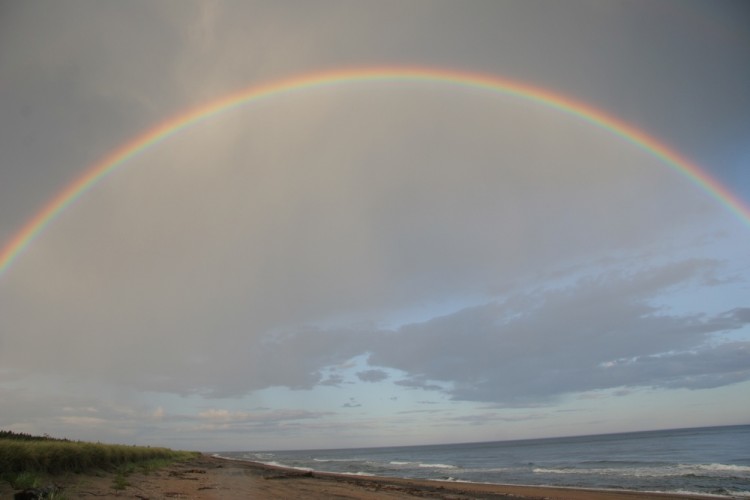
pixel 209 477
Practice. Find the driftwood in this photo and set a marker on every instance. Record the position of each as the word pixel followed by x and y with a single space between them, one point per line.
pixel 37 493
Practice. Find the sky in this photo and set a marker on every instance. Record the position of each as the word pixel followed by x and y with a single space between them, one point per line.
pixel 373 263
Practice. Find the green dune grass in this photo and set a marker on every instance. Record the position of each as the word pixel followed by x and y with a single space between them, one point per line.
pixel 23 457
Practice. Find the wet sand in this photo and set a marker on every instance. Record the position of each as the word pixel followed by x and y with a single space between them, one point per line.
pixel 208 477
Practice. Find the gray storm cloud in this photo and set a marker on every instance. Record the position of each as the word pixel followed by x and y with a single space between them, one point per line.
pixel 189 259
pixel 597 334
pixel 462 242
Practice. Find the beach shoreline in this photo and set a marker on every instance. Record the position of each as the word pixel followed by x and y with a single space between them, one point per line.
pixel 211 477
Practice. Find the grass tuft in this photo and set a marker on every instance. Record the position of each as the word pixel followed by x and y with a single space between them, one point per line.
pixel 119 482
pixel 22 480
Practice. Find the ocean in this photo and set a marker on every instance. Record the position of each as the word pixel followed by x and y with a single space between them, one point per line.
pixel 710 460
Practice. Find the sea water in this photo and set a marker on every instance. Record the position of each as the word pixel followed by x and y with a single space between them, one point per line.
pixel 711 460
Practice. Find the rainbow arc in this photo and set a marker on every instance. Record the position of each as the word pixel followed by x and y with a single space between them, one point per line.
pixel 392 75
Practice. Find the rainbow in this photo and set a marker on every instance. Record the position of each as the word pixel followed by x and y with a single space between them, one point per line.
pixel 23 238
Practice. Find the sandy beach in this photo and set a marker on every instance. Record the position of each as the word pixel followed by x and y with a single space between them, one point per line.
pixel 209 477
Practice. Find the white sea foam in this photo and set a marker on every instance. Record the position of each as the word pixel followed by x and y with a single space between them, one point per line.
pixel 743 469
pixel 693 493
pixel 277 464
pixel 356 473
pixel 706 470
pixel 450 479
pixel 740 494
pixel 423 465
pixel 437 466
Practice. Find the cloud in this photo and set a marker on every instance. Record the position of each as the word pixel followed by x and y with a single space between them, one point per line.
pixel 489 418
pixel 418 382
pixel 411 412
pixel 246 253
pixel 740 316
pixel 372 375
pixel 602 331
pixel 599 333
pixel 83 421
pixel 334 380
pixel 258 417
pixel 279 421
pixel 703 368
pixel 206 248
pixel 90 413
pixel 352 403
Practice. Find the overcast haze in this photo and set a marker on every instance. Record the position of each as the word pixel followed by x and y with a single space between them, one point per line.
pixel 373 263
